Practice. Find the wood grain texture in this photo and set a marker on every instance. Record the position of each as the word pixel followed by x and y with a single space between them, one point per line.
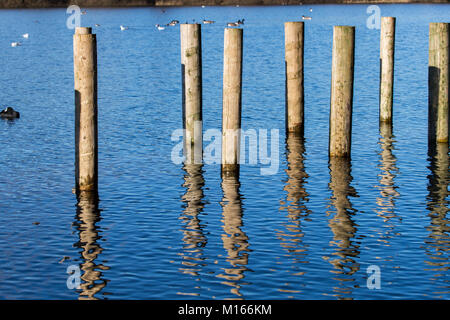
pixel 294 38
pixel 85 76
pixel 438 85
pixel 191 66
pixel 232 94
pixel 387 47
pixel 342 91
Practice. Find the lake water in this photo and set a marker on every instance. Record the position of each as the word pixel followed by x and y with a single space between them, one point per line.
pixel 164 231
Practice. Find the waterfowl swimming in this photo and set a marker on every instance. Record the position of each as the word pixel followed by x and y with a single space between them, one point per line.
pixel 15 44
pixel 26 35
pixel 159 27
pixel 123 28
pixel 236 24
pixel 306 18
pixel 173 23
pixel 208 21
pixel 97 25
pixel 9 113
pixel 232 24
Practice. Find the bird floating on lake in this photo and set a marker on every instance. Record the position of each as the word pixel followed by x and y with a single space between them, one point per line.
pixel 235 24
pixel 173 23
pixel 310 10
pixel 97 25
pixel 123 28
pixel 9 113
pixel 306 18
pixel 208 21
pixel 26 35
pixel 15 44
pixel 159 27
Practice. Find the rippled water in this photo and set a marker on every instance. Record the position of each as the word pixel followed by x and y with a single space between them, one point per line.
pixel 164 231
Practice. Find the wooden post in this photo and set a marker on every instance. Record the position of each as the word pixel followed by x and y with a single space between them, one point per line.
pixel 341 91
pixel 191 72
pixel 294 38
pixel 387 45
pixel 85 71
pixel 232 84
pixel 438 85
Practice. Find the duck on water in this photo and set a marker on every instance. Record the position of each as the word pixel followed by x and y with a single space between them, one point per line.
pixel 235 24
pixel 9 113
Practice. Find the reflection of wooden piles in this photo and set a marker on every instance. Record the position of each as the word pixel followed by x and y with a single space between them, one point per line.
pixel 296 198
pixel 342 225
pixel 193 237
pixel 388 190
pixel 235 241
pixel 88 215
pixel 438 242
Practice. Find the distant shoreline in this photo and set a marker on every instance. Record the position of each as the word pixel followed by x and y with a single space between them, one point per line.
pixel 37 4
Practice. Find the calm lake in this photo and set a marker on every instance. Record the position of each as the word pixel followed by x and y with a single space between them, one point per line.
pixel 161 230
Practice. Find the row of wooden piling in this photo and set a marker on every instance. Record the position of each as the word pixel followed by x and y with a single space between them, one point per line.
pixel 340 127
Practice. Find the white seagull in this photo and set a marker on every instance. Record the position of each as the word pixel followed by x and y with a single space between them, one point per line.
pixel 123 28
pixel 26 35
pixel 15 44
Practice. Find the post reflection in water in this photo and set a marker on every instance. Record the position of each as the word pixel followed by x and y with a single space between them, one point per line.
pixel 343 227
pixel 235 241
pixel 295 204
pixel 437 245
pixel 194 240
pixel 88 215
pixel 387 187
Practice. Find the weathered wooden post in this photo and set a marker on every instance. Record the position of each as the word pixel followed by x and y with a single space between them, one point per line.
pixel 341 91
pixel 232 85
pixel 293 39
pixel 191 72
pixel 85 72
pixel 387 47
pixel 438 85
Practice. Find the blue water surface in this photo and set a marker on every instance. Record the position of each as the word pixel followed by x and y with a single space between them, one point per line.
pixel 164 231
